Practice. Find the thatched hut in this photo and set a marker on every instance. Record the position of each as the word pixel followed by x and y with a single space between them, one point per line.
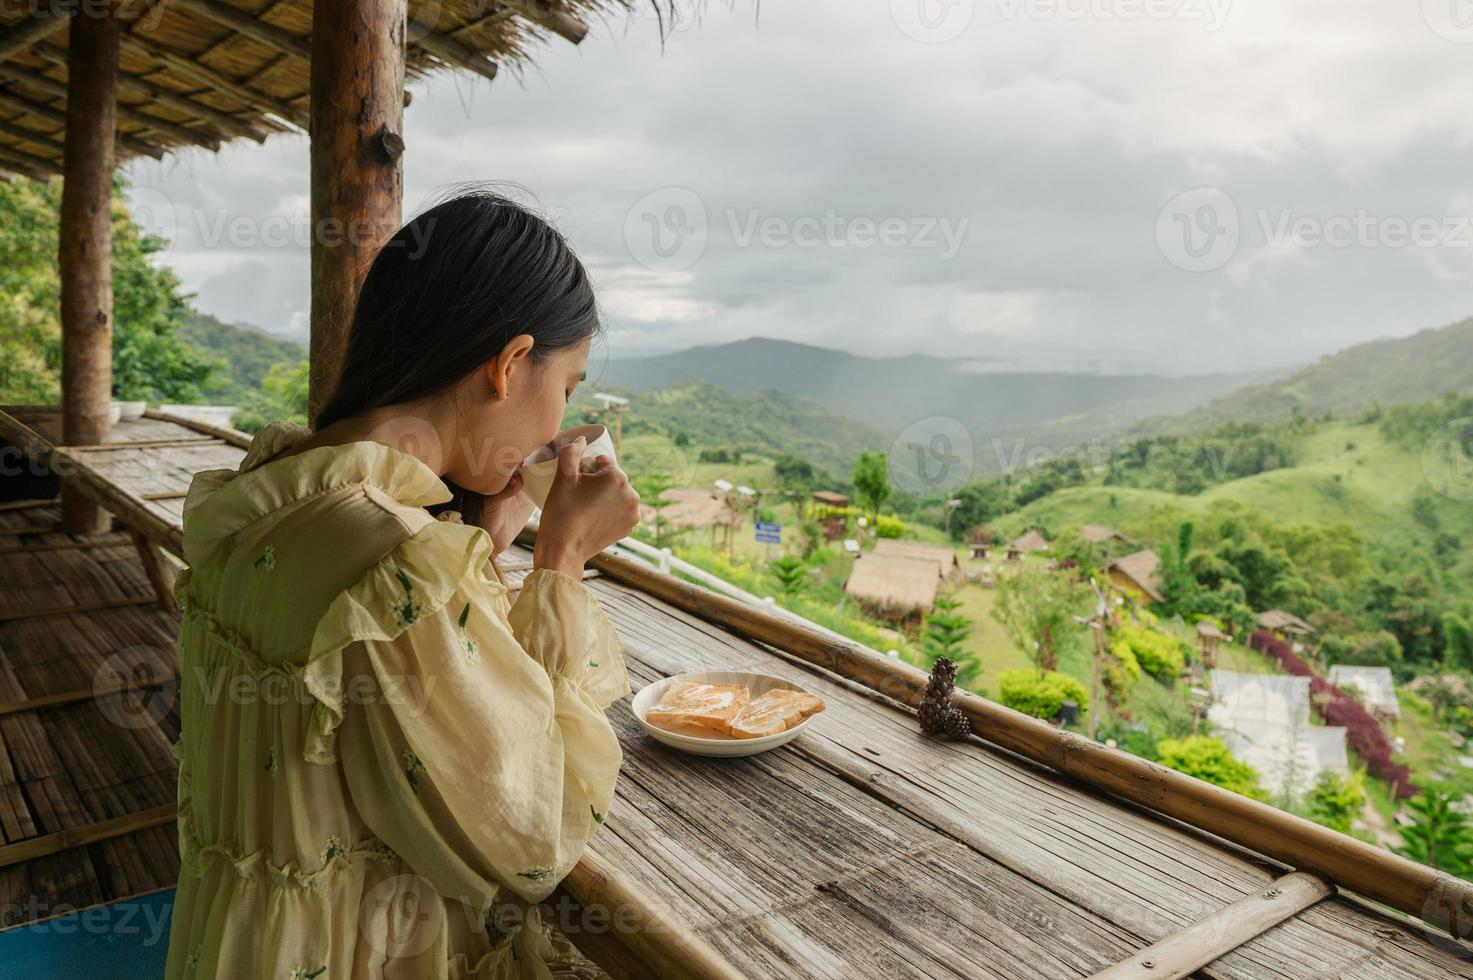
pixel 894 587
pixel 944 558
pixel 1032 540
pixel 1285 624
pixel 1137 575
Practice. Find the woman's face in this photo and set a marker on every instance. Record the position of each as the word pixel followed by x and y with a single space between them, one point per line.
pixel 519 405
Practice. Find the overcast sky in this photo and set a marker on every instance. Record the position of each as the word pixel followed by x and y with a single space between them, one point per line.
pixel 1183 186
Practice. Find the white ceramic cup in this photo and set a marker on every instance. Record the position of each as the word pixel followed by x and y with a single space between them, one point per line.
pixel 540 468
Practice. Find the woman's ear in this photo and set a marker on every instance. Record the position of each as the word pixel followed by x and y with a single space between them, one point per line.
pixel 502 369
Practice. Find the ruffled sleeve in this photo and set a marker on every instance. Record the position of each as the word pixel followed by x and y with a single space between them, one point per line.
pixel 483 762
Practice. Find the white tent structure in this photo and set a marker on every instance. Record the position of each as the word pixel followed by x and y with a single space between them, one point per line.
pixel 1375 685
pixel 1264 719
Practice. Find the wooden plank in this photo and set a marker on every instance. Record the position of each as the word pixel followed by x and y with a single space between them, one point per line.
pixel 89 694
pixel 160 576
pixel 1180 954
pixel 29 850
pixel 81 608
pixel 145 444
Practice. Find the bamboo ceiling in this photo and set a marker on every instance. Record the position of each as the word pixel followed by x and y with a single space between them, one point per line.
pixel 204 72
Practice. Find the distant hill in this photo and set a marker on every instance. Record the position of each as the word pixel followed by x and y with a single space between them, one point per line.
pixel 1391 372
pixel 248 351
pixel 1049 410
pixel 766 422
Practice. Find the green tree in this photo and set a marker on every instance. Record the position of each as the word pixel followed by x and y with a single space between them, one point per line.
pixel 791 574
pixel 1440 835
pixel 946 630
pixel 1457 637
pixel 1208 759
pixel 1335 800
pixel 872 482
pixel 1037 607
pixel 149 360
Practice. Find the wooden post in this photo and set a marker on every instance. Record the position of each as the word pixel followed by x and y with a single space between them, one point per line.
pixel 85 252
pixel 357 116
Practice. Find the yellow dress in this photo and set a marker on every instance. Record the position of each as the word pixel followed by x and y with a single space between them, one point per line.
pixel 383 762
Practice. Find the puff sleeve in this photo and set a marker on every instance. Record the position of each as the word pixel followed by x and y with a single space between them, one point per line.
pixel 473 739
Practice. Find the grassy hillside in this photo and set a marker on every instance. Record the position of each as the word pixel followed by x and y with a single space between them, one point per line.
pixel 247 351
pixel 1346 472
pixel 1389 372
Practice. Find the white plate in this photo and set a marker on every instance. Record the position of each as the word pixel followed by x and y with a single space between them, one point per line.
pixel 758 684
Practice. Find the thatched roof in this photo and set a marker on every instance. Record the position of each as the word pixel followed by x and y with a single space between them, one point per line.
pixel 943 556
pixel 1208 630
pixel 204 72
pixel 893 583
pixel 690 508
pixel 1284 622
pixel 1096 534
pixel 831 498
pixel 1031 541
pixel 1142 569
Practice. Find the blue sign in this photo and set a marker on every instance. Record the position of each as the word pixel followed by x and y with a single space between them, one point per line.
pixel 769 538
pixel 772 526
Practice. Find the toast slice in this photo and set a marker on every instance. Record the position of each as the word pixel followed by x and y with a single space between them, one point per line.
pixel 710 706
pixel 776 711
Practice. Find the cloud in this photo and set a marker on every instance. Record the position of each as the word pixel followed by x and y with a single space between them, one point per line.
pixel 1053 132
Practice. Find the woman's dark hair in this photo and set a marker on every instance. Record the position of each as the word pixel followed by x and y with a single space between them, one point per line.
pixel 445 294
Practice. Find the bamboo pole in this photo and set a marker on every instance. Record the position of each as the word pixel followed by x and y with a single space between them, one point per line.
pixel 86 250
pixel 1182 953
pixel 47 20
pixel 59 90
pixel 357 96
pixel 233 436
pixel 651 932
pixel 1426 893
pixel 28 850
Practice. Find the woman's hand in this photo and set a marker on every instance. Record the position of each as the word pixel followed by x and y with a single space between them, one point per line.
pixel 504 514
pixel 590 506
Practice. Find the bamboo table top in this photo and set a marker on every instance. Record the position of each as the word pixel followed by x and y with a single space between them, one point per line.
pixel 864 848
pixel 861 849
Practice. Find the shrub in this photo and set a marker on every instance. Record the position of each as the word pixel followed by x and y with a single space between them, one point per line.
pixel 889 526
pixel 1040 694
pixel 1362 732
pixel 1159 655
pixel 1209 760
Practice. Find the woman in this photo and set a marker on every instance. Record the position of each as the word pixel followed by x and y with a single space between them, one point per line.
pixel 384 763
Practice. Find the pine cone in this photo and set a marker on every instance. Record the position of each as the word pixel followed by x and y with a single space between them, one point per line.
pixel 936 699
pixel 955 724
